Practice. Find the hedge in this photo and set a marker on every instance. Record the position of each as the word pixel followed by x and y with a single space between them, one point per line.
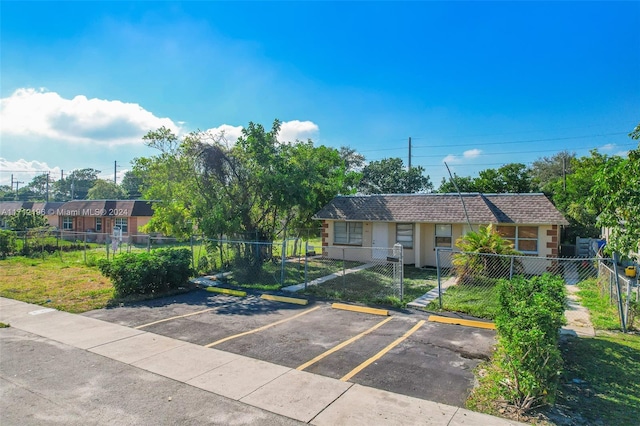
pixel 145 273
pixel 528 323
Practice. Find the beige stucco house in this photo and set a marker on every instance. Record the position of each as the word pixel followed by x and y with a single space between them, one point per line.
pixel 424 222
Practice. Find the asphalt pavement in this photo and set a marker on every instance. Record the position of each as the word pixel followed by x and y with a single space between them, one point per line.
pixel 61 368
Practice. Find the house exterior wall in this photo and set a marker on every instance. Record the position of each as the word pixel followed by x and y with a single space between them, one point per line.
pixel 423 252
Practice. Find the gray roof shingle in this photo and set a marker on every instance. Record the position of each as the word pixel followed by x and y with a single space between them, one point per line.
pixel 444 208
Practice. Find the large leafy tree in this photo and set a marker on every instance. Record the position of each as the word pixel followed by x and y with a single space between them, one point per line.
pixel 512 177
pixel 389 176
pixel 105 190
pixel 26 219
pixel 39 187
pixel 570 195
pixel 546 171
pixel 615 194
pixel 132 185
pixel 76 185
pixel 255 189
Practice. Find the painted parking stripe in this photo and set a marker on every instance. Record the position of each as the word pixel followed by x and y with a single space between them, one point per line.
pixel 228 291
pixel 362 309
pixel 460 321
pixel 343 344
pixel 264 327
pixel 176 317
pixel 382 352
pixel 285 299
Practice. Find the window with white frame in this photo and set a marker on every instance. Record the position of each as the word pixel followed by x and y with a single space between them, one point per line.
pixel 404 234
pixel 67 223
pixel 123 224
pixel 347 233
pixel 523 238
pixel 443 235
pixel 98 224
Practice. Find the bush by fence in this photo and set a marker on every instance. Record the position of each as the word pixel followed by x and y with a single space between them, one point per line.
pixel 144 273
pixel 531 312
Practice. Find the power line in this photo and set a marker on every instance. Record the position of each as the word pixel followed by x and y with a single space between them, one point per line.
pixel 481 144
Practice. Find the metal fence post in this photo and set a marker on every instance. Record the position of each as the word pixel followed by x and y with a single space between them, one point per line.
pixel 623 320
pixel 306 264
pixel 438 274
pixel 399 253
pixel 511 268
pixel 284 258
pixel 344 281
pixel 193 255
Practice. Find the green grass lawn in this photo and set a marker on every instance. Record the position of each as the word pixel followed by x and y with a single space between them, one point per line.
pixel 601 379
pixel 478 301
pixel 371 286
pixel 67 285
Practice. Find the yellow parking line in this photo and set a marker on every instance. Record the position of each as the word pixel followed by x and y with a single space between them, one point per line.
pixel 228 291
pixel 459 321
pixel 172 318
pixel 264 327
pixel 362 309
pixel 284 299
pixel 343 344
pixel 382 352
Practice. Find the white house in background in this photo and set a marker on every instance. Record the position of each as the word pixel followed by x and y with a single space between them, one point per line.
pixel 424 222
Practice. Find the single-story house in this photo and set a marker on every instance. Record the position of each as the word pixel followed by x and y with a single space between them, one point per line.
pixel 94 216
pixel 424 222
pixel 47 209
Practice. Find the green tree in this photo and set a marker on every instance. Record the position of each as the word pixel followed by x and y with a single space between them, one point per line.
pixel 615 195
pixel 76 185
pixel 257 188
pixel 388 176
pixel 549 170
pixel 512 177
pixel 26 219
pixel 571 196
pixel 463 183
pixel 105 190
pixel 132 185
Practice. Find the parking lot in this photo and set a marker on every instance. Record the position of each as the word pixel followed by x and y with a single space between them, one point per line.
pixel 403 353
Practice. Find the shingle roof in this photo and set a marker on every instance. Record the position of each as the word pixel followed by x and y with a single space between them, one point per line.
pixel 82 207
pixel 444 208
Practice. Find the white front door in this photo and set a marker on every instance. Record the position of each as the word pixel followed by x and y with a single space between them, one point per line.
pixel 380 240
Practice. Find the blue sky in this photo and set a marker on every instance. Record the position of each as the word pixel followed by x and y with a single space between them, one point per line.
pixel 477 85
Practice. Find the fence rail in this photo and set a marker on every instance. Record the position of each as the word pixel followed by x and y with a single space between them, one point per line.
pixel 365 274
pixel 467 282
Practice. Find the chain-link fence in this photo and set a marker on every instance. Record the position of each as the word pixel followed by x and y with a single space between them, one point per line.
pixel 619 291
pixel 369 275
pixel 467 282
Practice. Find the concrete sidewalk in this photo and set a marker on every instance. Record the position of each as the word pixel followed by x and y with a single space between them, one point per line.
pixel 297 395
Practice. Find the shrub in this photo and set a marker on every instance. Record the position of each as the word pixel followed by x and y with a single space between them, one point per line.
pixel 8 243
pixel 530 315
pixel 146 273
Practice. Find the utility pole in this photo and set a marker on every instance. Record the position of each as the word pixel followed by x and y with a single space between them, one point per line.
pixel 48 177
pixel 564 174
pixel 115 172
pixel 18 182
pixel 409 153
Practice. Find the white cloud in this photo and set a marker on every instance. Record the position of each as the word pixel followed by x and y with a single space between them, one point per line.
pixel 290 131
pixel 230 133
pixel 472 153
pixel 608 147
pixel 458 159
pixel 47 115
pixel 24 171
